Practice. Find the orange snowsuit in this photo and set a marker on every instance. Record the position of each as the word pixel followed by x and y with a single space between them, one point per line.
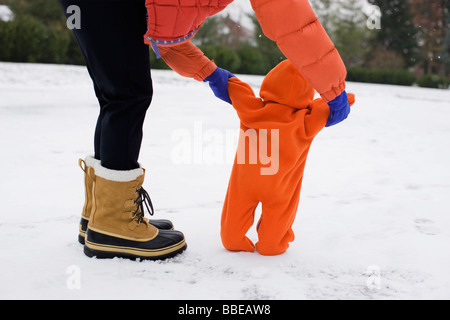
pixel 285 121
pixel 292 24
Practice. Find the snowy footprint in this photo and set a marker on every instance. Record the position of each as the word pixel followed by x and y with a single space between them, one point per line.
pixel 426 227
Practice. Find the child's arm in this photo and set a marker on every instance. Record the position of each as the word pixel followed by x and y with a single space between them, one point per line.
pixel 188 60
pixel 318 116
pixel 238 93
pixel 247 105
pixel 315 119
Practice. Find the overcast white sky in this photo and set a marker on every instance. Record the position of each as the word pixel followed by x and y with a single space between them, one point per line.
pixel 239 8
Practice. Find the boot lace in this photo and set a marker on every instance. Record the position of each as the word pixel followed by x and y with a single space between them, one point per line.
pixel 143 200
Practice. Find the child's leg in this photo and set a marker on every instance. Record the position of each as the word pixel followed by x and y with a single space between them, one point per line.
pixel 237 218
pixel 275 226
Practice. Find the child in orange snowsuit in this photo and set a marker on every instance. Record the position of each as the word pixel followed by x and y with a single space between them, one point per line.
pixel 285 120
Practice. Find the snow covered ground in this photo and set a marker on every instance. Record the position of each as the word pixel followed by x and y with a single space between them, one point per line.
pixel 373 222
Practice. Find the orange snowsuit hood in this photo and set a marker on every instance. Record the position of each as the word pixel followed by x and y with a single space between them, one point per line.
pixel 285 85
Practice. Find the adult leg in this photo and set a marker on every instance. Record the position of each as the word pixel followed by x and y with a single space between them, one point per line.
pixel 111 40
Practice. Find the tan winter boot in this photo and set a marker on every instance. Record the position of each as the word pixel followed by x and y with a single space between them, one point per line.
pixel 117 227
pixel 85 165
pixel 89 162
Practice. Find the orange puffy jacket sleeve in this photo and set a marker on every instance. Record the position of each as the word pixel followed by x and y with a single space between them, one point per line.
pixel 187 60
pixel 294 26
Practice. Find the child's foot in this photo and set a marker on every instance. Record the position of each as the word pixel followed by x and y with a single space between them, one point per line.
pixel 271 250
pixel 244 244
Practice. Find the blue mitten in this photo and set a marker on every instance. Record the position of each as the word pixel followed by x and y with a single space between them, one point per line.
pixel 339 109
pixel 218 82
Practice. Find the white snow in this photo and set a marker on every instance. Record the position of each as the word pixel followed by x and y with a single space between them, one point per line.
pixel 373 221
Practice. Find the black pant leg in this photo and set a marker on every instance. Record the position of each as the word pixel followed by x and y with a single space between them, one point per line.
pixel 111 40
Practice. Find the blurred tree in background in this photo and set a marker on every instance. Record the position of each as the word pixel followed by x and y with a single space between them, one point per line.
pixel 398 36
pixel 430 18
pixel 48 12
pixel 236 48
pixel 271 53
pixel 411 39
pixel 411 45
pixel 37 33
pixel 350 34
pixel 446 45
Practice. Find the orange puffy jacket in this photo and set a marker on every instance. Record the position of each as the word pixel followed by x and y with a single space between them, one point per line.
pixel 291 23
pixel 175 21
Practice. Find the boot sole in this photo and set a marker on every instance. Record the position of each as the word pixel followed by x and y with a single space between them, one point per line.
pixel 101 251
pixel 82 238
pixel 83 228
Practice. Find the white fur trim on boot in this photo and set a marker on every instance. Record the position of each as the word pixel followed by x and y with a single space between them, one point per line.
pixel 117 175
pixel 91 161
